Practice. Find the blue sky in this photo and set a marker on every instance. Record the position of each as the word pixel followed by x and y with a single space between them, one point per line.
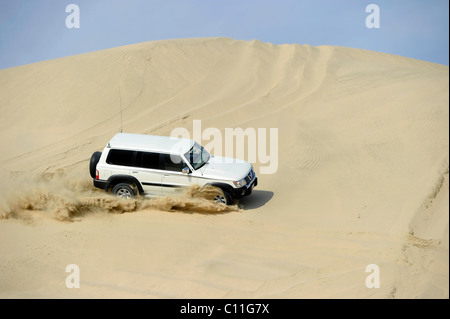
pixel 32 31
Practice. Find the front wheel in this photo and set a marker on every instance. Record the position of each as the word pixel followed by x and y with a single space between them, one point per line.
pixel 223 197
pixel 123 191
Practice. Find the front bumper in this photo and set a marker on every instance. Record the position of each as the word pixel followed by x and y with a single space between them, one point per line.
pixel 245 190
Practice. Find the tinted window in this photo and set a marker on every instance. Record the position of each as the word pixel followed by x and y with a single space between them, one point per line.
pixel 173 163
pixel 147 160
pixel 121 157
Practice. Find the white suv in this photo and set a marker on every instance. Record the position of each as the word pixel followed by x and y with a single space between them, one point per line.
pixel 149 165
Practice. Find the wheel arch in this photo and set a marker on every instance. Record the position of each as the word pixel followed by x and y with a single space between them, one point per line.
pixel 117 179
pixel 223 186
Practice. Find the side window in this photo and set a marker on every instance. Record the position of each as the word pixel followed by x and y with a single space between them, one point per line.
pixel 121 157
pixel 148 160
pixel 173 163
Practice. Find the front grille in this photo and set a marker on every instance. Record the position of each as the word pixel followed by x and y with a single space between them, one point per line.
pixel 249 176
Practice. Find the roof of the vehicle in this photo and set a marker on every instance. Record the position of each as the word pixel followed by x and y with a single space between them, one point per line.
pixel 151 143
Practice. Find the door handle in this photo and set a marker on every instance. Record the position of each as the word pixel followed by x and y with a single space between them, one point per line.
pixel 134 172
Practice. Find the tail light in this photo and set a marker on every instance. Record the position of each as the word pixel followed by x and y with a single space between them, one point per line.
pixel 96 174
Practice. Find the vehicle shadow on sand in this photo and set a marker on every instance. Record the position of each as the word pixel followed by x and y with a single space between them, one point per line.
pixel 257 199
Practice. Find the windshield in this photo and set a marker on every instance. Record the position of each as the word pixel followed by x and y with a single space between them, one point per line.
pixel 197 156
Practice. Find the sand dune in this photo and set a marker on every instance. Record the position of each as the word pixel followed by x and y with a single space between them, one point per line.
pixel 362 177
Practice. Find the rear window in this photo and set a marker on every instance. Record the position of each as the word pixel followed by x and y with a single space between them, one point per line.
pixel 121 157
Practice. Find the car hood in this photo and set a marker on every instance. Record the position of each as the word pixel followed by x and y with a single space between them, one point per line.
pixel 226 168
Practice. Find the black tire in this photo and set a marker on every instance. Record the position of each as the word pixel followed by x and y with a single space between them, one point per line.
pixel 124 191
pixel 93 163
pixel 223 197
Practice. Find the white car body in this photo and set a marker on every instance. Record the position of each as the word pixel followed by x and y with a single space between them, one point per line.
pixel 159 165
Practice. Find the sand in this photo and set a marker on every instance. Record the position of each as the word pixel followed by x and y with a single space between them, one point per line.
pixel 362 178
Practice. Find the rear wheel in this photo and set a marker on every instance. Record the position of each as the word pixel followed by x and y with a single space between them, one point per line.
pixel 124 191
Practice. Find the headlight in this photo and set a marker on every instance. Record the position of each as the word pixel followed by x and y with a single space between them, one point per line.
pixel 240 183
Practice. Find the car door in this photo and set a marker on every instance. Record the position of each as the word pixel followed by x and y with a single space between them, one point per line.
pixel 148 173
pixel 173 180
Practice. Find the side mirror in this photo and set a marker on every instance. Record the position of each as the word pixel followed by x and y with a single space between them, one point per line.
pixel 185 170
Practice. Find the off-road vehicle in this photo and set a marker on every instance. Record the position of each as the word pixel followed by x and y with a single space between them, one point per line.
pixel 148 165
